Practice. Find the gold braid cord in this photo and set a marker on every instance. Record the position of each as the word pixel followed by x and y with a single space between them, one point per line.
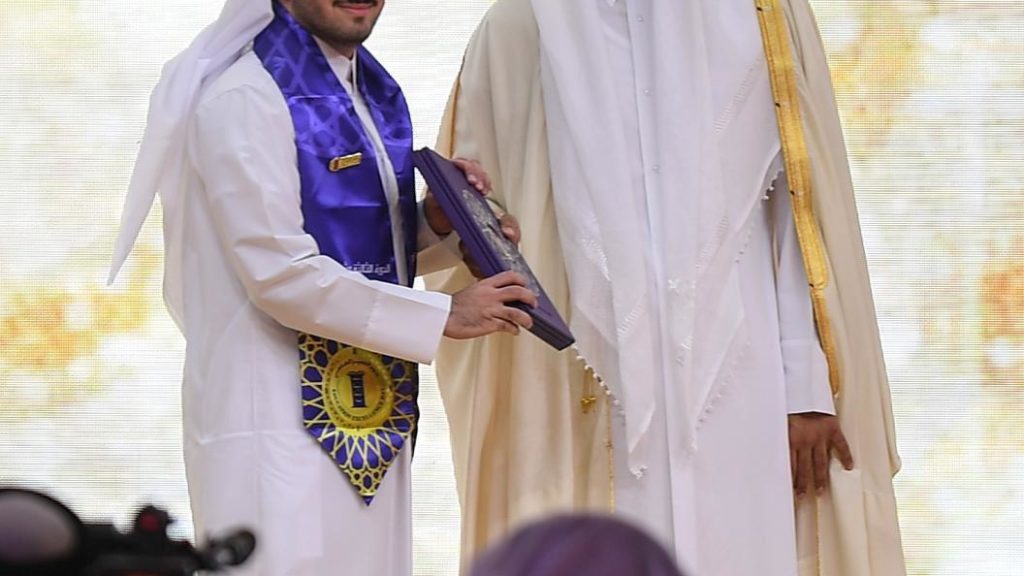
pixel 781 67
pixel 782 70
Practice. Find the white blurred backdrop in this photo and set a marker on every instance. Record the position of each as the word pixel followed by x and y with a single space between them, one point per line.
pixel 931 97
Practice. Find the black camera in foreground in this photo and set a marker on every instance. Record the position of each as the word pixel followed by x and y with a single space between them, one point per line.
pixel 39 536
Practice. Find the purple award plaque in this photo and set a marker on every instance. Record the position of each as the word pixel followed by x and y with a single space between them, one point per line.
pixel 480 231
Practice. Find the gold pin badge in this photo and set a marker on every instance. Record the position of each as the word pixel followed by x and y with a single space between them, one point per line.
pixel 341 162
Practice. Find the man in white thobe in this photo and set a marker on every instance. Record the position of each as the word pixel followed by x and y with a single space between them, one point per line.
pixel 641 144
pixel 246 274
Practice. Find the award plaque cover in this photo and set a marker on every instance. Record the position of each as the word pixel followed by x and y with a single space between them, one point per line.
pixel 480 231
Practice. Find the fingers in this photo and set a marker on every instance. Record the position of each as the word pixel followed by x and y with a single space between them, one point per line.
pixel 435 216
pixel 519 294
pixel 507 278
pixel 517 317
pixel 477 183
pixel 793 466
pixel 512 288
pixel 510 228
pixel 804 471
pixel 821 461
pixel 842 449
pixel 506 319
pixel 475 174
pixel 474 269
pixel 483 308
pixel 812 439
pixel 508 327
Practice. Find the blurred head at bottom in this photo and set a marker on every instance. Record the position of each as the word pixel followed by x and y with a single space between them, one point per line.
pixel 573 545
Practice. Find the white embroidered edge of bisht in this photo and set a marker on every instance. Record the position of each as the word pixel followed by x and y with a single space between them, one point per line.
pixel 616 312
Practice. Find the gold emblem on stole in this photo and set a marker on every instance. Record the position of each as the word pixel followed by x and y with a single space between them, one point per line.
pixel 359 406
pixel 339 163
pixel 357 390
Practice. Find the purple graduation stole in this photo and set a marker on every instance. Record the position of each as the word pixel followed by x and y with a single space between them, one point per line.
pixel 359 406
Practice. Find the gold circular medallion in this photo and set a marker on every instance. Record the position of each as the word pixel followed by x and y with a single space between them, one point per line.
pixel 357 390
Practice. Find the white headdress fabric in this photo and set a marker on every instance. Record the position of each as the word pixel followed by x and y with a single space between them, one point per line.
pixel 160 167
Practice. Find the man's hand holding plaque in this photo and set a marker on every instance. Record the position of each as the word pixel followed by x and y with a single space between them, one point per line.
pixel 485 307
pixel 477 177
pixel 458 188
pixel 481 309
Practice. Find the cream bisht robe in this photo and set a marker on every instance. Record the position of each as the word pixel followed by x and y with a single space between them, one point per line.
pixel 532 430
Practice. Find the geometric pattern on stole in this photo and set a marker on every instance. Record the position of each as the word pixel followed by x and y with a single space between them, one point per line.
pixel 361 407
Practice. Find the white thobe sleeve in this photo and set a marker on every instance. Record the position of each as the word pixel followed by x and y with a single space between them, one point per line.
pixel 243 148
pixel 807 379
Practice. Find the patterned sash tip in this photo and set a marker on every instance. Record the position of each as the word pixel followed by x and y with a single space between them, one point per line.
pixel 359 406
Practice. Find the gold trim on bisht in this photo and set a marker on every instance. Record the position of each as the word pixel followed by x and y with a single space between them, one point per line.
pixel 610 447
pixel 454 102
pixel 782 70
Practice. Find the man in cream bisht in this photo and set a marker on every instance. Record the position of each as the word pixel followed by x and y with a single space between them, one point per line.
pixel 281 150
pixel 680 177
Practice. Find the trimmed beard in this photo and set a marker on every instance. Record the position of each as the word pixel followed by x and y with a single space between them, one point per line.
pixel 310 20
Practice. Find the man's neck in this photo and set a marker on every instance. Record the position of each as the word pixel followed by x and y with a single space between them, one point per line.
pixel 344 66
pixel 346 50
